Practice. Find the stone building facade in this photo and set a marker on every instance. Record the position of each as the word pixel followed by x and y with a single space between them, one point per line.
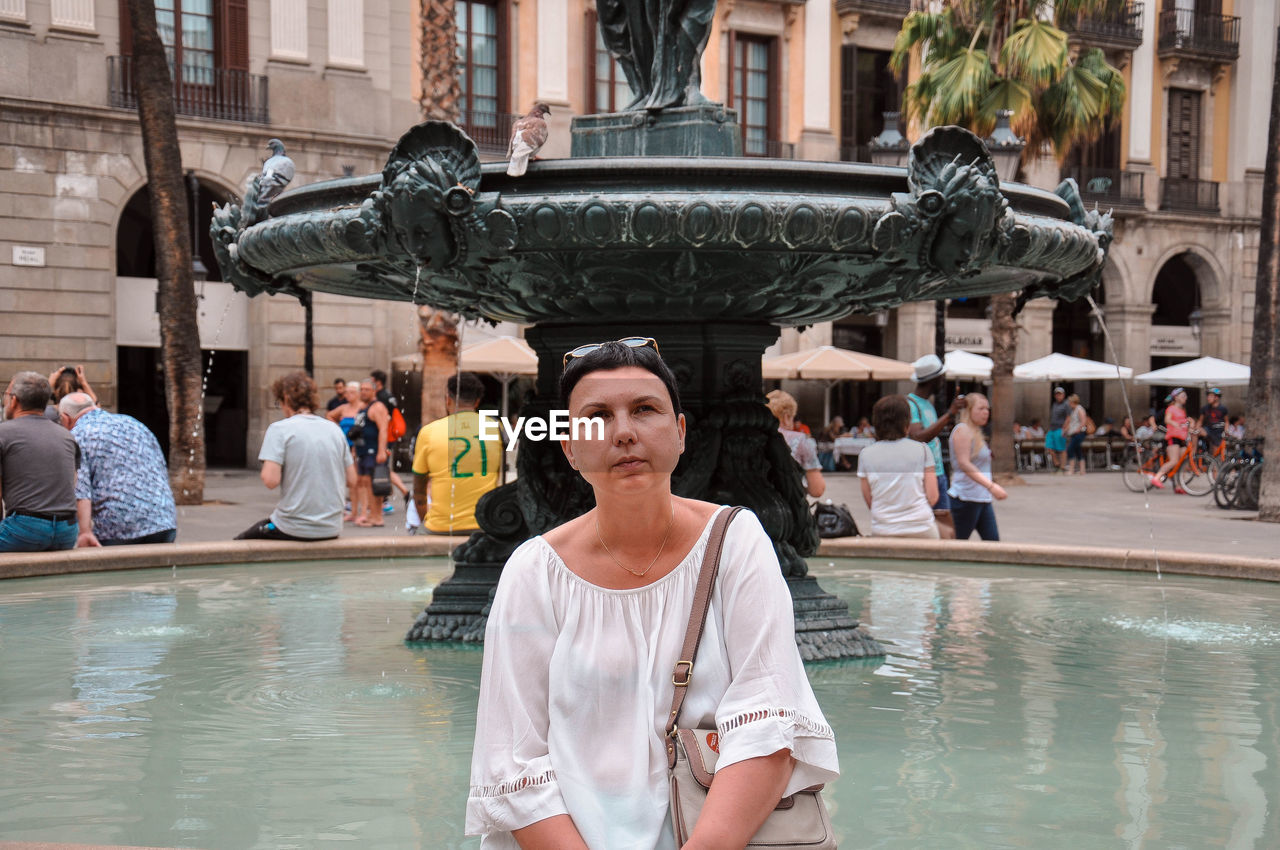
pixel 77 277
pixel 338 81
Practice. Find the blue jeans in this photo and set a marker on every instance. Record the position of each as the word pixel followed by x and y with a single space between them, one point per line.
pixel 28 534
pixel 944 499
pixel 970 515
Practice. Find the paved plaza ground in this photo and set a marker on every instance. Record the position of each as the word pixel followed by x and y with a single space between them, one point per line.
pixel 1090 510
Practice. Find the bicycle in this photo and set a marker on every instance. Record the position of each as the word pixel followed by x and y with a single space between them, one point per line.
pixel 1194 473
pixel 1240 476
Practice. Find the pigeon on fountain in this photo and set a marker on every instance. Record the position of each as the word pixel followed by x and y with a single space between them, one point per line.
pixel 528 135
pixel 277 171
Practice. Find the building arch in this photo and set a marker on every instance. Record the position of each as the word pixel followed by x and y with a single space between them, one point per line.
pixel 1204 265
pixel 135 249
pixel 1116 282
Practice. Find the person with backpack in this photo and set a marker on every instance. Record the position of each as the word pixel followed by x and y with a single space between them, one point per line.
pixel 396 429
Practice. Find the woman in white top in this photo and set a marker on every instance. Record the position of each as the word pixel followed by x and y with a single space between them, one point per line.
pixel 585 629
pixel 972 489
pixel 899 483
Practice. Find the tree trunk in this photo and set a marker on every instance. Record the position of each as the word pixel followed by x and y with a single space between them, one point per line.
pixel 179 335
pixel 441 94
pixel 438 343
pixel 1004 351
pixel 1264 382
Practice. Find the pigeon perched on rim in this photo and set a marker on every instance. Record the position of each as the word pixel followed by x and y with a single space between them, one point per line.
pixel 277 171
pixel 528 135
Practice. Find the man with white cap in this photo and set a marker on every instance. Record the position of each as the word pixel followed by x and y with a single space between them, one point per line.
pixel 1055 442
pixel 928 373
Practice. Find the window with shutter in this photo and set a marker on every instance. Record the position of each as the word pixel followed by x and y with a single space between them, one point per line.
pixel 1184 135
pixel 753 91
pixel 482 69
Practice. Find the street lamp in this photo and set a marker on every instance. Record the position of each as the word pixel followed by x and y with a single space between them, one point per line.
pixel 199 272
pixel 1005 146
pixel 890 147
pixel 1196 320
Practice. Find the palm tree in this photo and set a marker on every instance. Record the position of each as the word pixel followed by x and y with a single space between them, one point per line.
pixel 438 60
pixel 179 336
pixel 1264 378
pixel 980 56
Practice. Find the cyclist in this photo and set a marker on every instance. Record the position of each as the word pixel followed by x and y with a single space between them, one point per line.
pixel 1213 419
pixel 1175 433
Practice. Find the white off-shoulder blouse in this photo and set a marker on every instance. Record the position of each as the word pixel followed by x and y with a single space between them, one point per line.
pixel 576 689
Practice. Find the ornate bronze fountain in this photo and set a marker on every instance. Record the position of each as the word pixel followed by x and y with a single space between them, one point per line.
pixel 709 255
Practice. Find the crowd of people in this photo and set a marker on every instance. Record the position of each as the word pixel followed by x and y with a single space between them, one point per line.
pixel 75 475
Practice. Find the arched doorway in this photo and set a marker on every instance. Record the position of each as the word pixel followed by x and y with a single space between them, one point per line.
pixel 1176 296
pixel 222 318
pixel 1077 332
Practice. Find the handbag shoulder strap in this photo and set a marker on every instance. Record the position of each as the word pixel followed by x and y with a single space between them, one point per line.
pixel 683 672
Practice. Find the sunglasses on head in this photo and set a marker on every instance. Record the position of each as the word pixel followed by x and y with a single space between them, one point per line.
pixel 628 341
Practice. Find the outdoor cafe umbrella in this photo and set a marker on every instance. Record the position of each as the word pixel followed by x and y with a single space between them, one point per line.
pixel 1201 372
pixel 833 365
pixel 1063 367
pixel 965 365
pixel 506 358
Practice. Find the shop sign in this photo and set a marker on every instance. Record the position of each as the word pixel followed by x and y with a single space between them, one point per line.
pixel 1174 341
pixel 968 335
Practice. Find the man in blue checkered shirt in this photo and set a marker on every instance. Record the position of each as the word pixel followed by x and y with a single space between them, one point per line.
pixel 122 492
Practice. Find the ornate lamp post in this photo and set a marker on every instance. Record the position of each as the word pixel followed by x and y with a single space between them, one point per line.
pixel 890 147
pixel 1006 146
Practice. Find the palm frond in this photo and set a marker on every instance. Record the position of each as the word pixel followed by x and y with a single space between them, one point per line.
pixel 959 86
pixel 1036 53
pixel 1004 93
pixel 918 28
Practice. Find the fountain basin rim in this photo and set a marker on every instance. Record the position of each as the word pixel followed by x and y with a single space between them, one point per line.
pixel 374 551
pixel 658 174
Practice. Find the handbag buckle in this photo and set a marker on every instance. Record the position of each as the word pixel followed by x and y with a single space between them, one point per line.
pixel 688 673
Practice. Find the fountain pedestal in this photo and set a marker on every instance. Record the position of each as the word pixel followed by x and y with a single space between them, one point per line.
pixel 708 129
pixel 733 455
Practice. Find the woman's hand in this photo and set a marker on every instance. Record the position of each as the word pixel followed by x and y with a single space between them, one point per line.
pixel 997 492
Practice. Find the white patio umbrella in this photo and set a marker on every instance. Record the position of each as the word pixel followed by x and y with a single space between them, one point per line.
pixel 834 365
pixel 1201 372
pixel 506 358
pixel 965 365
pixel 1063 367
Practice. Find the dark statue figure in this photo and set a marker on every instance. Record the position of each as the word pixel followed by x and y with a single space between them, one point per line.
pixel 659 45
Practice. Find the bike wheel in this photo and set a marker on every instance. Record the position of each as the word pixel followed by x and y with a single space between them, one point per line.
pixel 1135 473
pixel 1193 475
pixel 1224 489
pixel 1250 488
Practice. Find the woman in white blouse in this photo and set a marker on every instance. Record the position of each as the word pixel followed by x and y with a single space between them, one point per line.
pixel 585 630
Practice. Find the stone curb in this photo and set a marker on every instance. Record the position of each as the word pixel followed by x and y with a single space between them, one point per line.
pixel 26 565
pixel 265 551
pixel 1040 555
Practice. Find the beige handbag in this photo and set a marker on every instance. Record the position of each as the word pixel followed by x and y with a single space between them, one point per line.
pixel 799 821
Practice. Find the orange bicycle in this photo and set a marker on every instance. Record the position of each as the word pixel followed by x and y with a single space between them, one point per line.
pixel 1195 471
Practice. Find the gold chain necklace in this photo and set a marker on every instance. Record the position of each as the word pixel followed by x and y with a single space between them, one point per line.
pixel 670 523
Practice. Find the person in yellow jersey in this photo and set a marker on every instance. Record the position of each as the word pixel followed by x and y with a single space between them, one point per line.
pixel 454 462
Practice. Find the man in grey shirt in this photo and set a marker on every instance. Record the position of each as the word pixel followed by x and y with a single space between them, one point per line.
pixel 38 463
pixel 306 456
pixel 1055 442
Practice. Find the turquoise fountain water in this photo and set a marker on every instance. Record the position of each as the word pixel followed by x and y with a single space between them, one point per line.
pixel 239 707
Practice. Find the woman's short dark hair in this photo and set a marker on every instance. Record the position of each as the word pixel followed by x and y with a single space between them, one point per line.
pixel 615 355
pixel 66 383
pixel 891 416
pixel 297 390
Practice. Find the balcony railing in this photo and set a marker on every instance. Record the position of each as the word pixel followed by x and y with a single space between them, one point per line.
pixel 491 131
pixel 770 149
pixel 1120 28
pixel 199 91
pixel 857 153
pixel 1182 195
pixel 884 8
pixel 1184 32
pixel 1112 187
